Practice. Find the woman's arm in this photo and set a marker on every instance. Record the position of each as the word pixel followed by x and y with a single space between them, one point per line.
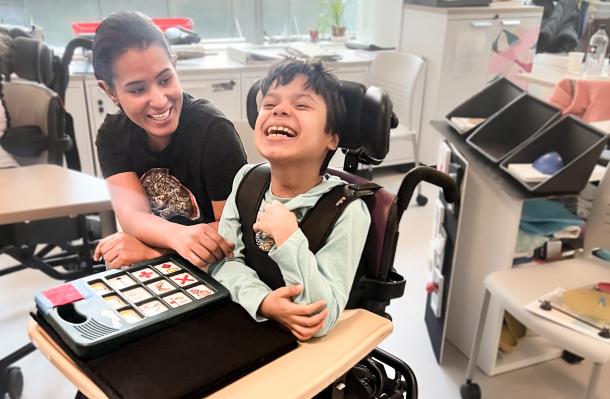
pixel 200 244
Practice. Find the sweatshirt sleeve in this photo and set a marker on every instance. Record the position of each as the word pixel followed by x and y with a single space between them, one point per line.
pixel 241 281
pixel 328 274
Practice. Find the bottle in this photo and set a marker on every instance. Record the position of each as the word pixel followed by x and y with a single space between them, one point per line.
pixel 596 53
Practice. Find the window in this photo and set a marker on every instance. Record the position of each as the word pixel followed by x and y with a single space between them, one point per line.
pixel 212 19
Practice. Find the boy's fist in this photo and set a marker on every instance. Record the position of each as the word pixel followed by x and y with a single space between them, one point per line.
pixel 276 221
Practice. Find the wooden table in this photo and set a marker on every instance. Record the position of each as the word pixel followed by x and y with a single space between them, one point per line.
pixel 49 191
pixel 301 373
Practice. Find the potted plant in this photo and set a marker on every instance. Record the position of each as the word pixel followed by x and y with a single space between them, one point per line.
pixel 333 17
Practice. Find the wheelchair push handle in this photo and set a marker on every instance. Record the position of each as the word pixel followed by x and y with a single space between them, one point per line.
pixel 430 175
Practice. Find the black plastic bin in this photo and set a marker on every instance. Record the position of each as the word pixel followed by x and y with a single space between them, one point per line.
pixel 580 146
pixel 487 102
pixel 515 124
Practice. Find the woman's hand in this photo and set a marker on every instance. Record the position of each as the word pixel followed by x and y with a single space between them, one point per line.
pixel 120 249
pixel 200 244
pixel 302 320
pixel 276 221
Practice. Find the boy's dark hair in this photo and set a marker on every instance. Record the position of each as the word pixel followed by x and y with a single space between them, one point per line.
pixel 322 82
pixel 118 33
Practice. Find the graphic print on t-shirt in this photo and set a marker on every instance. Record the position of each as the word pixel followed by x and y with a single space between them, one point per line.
pixel 167 196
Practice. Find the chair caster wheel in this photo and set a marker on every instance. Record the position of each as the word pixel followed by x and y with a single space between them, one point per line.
pixel 421 200
pixel 470 390
pixel 12 383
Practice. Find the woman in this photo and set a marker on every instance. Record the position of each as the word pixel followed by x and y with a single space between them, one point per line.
pixel 168 159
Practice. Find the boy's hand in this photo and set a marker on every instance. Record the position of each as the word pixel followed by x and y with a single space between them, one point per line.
pixel 302 320
pixel 120 249
pixel 276 221
pixel 200 244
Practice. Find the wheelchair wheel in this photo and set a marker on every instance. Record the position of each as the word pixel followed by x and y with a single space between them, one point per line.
pixel 470 390
pixel 12 383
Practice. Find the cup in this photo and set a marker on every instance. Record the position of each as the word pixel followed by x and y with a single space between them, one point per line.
pixel 575 59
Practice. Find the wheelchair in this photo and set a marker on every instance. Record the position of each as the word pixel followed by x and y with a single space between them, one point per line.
pixel 365 140
pixel 40 131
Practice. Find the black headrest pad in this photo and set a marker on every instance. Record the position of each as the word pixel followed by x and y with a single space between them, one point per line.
pixel 32 60
pixel 369 120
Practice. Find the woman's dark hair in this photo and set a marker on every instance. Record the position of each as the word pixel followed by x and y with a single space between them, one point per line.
pixel 318 79
pixel 118 33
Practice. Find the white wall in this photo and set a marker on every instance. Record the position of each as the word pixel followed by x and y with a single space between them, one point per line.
pixel 379 22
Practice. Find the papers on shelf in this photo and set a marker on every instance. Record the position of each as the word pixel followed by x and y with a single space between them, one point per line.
pixel 527 173
pixel 562 314
pixel 463 125
pixel 248 54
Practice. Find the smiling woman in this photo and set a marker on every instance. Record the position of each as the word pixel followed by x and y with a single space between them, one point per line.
pixel 168 159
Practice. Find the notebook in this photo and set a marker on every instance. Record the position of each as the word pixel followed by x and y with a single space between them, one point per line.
pixel 188 360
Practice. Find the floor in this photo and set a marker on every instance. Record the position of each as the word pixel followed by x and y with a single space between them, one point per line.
pixel 409 341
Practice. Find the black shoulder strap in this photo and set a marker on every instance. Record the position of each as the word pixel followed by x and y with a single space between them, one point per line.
pixel 316 225
pixel 319 221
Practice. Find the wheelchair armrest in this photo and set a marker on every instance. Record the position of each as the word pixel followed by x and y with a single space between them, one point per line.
pixel 427 174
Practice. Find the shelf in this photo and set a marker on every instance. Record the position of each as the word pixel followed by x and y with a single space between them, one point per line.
pixel 532 349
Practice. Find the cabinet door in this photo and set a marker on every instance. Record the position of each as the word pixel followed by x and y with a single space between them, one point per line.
pixel 77 107
pixel 223 92
pixel 513 45
pixel 99 105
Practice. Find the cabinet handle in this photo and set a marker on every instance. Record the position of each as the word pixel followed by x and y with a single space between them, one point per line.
pixel 223 86
pixel 511 22
pixel 480 24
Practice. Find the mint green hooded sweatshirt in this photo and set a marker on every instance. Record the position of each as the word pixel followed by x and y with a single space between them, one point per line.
pixel 327 275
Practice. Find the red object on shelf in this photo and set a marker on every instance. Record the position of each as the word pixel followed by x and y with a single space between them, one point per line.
pixel 89 28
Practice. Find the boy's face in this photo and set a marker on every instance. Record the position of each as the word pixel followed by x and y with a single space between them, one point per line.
pixel 290 128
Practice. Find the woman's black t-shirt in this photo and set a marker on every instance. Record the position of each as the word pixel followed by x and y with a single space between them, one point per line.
pixel 198 165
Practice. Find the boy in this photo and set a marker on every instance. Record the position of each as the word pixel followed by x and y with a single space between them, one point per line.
pixel 297 131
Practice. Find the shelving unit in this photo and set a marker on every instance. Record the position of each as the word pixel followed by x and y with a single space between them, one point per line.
pixel 486 234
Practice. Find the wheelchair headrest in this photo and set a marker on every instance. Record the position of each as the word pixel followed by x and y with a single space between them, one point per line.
pixel 28 58
pixel 368 124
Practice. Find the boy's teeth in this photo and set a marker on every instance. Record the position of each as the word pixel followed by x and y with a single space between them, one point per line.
pixel 280 131
pixel 162 116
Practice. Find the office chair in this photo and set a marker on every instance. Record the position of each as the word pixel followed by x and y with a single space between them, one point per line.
pixel 402 76
pixel 517 287
pixel 365 139
pixel 40 131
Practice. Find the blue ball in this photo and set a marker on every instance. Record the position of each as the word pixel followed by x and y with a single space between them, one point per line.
pixel 549 163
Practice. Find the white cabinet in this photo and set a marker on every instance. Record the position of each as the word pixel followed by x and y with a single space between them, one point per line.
pixel 77 107
pixel 483 241
pixel 221 89
pixel 98 105
pixel 464 48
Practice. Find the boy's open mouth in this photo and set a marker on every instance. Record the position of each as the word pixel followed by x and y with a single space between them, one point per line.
pixel 280 131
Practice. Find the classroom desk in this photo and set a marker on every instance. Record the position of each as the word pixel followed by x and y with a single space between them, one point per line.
pixel 301 373
pixel 49 191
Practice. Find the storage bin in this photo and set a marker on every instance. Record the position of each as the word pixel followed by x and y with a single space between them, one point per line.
pixel 579 145
pixel 89 28
pixel 485 103
pixel 516 123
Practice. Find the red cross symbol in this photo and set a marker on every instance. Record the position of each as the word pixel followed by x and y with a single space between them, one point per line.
pixel 184 279
pixel 145 274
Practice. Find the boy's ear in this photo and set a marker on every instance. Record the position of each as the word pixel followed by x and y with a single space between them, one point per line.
pixel 334 141
pixel 109 92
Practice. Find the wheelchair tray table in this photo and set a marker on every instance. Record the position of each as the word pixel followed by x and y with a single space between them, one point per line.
pixel 99 313
pixel 300 373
